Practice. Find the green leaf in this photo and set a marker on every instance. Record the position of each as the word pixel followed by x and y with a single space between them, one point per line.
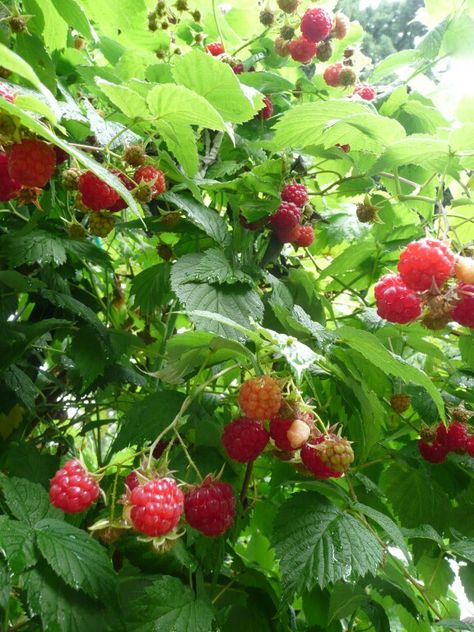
pixel 393 63
pixel 464 548
pixel 373 350
pixel 37 246
pixel 455 624
pixel 88 352
pixel 27 501
pixel 201 216
pixel 345 599
pixel 19 282
pixel 150 288
pixel 388 525
pixel 147 418
pixel 179 106
pixel 466 347
pixel 317 543
pixel 20 383
pixel 5 586
pixel 214 267
pixel 127 100
pixel 181 141
pixel 72 305
pixel 218 84
pixel 59 607
pixel 47 22
pixel 170 605
pixel 76 557
pixel 75 16
pixel 351 258
pixel 418 149
pixel 17 544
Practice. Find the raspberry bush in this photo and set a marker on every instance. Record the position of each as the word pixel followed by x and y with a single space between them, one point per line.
pixel 237 302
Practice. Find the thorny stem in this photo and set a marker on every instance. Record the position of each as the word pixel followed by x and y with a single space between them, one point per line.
pixel 188 456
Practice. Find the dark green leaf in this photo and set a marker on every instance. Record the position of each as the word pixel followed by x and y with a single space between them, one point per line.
pixel 17 544
pixel 150 288
pixel 27 501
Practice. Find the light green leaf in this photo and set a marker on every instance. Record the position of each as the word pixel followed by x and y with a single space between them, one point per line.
pixel 373 351
pixel 170 605
pixel 75 557
pixel 318 544
pixel 201 216
pixel 127 100
pixel 75 16
pixel 418 149
pixel 216 82
pixel 393 63
pixel 350 258
pixel 47 23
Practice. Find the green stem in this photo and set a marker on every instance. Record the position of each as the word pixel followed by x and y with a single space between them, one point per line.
pixel 218 26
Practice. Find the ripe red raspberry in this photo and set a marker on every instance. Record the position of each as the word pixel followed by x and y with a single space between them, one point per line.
pixel 265 113
pixel 72 488
pixel 316 24
pixel 341 26
pixel 366 92
pixel 400 402
pixel 425 264
pixel 279 427
pixel 120 204
pixel 260 397
pixel 463 312
pixel 311 457
pixel 295 193
pixel 287 216
pixel 302 50
pixel 464 269
pixel 331 74
pixel 210 508
pixel 156 506
pixel 6 92
pixel 289 235
pixel 470 445
pixel 31 162
pixel 215 49
pixel 305 237
pixel 95 193
pixel 345 148
pixel 434 452
pixel 244 439
pixel 153 176
pixel 8 187
pixel 453 437
pixel 131 480
pixel 395 302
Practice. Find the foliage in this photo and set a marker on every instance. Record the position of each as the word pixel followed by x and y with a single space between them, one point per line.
pixel 115 348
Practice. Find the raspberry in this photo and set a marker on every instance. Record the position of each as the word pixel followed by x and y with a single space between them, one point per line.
pixel 265 113
pixel 347 77
pixel 238 69
pixel 260 397
pixel 154 177
pixel 305 237
pixel 156 506
pixel 288 6
pixel 345 148
pixel 244 439
pixel 72 488
pixel 215 49
pixel 295 193
pixel 287 216
pixel 101 224
pixel 464 269
pixel 470 445
pixel 454 437
pixel 324 51
pixel 460 413
pixel 210 508
pixel 311 457
pixel 368 93
pixel 425 264
pixel 287 32
pixel 289 235
pixel 337 453
pixel 120 204
pixel 433 452
pixel 331 74
pixel 463 312
pixel 279 427
pixel 95 193
pixel 282 47
pixel 77 231
pixel 395 302
pixel 267 17
pixel 31 162
pixel 316 24
pixel 134 155
pixel 298 433
pixel 71 179
pixel 400 402
pixel 6 92
pixel 131 480
pixel 8 187
pixel 61 155
pixel 367 213
pixel 341 26
pixel 302 50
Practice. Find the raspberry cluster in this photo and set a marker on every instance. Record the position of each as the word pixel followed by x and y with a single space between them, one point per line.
pixel 435 445
pixel 286 221
pixel 421 287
